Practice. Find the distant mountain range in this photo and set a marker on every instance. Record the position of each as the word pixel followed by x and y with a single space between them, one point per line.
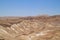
pixel 7 21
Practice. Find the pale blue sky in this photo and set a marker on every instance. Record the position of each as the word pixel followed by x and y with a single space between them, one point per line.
pixel 29 7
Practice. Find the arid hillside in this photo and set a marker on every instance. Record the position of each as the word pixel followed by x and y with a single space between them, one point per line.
pixel 30 28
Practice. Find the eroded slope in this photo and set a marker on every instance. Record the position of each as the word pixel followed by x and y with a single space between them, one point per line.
pixel 30 28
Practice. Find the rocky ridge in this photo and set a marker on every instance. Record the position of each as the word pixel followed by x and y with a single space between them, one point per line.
pixel 30 28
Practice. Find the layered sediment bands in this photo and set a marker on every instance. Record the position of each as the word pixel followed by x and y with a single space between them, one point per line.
pixel 30 28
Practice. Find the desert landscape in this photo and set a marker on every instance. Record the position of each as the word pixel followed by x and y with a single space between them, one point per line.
pixel 30 28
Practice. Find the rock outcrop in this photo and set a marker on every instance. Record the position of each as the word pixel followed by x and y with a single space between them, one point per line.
pixel 30 28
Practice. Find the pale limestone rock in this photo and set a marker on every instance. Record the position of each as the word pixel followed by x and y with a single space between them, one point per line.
pixel 30 30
